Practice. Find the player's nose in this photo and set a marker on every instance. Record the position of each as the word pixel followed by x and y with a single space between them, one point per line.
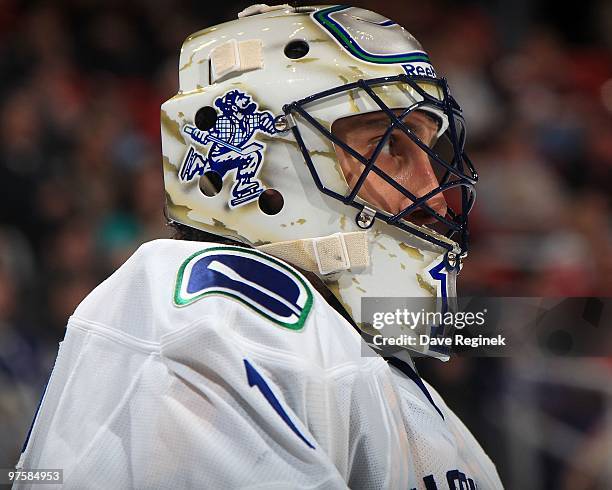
pixel 422 183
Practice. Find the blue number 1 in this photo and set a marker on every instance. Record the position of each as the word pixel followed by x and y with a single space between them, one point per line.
pixel 438 272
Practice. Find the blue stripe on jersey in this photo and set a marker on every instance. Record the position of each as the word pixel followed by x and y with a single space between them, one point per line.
pixel 42 397
pixel 411 373
pixel 255 379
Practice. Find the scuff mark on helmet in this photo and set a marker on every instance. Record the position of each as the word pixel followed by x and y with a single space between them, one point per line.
pixel 171 127
pixel 413 252
pixel 425 285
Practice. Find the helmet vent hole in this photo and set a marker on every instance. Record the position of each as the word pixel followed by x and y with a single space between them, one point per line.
pixel 210 183
pixel 296 49
pixel 205 118
pixel 271 201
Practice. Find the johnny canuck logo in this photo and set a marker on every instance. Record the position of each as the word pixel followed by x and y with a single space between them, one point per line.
pixel 231 147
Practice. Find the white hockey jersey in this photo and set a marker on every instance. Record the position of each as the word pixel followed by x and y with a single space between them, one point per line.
pixel 203 366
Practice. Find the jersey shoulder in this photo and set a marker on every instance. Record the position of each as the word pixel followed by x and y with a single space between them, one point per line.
pixel 268 306
pixel 263 284
pixel 137 298
pixel 169 285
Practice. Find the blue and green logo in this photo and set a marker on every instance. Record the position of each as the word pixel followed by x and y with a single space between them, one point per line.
pixel 264 284
pixel 339 27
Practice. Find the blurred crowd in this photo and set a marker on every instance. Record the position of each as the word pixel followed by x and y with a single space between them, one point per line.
pixel 81 82
pixel 539 117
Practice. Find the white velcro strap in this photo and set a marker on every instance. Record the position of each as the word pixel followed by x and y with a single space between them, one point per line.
pixel 324 255
pixel 331 254
pixel 235 57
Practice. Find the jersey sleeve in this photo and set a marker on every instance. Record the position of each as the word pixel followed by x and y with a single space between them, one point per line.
pixel 291 422
pixel 150 391
pixel 194 412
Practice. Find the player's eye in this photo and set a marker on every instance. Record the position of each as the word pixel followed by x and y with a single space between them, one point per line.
pixel 423 132
pixel 387 147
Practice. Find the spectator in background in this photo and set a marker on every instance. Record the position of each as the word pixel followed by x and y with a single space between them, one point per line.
pixel 25 354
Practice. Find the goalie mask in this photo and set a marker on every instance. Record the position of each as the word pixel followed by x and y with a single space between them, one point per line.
pixel 323 136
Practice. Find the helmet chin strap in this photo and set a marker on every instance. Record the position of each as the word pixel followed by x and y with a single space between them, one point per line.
pixel 380 266
pixel 324 255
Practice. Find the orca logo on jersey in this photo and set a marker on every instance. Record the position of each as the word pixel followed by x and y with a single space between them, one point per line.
pixel 264 284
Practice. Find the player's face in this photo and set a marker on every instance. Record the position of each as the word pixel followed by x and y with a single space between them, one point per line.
pixel 400 158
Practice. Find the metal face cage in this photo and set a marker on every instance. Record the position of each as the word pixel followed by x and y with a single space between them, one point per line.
pixel 455 171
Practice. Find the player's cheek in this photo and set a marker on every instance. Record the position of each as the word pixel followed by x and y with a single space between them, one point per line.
pixel 395 166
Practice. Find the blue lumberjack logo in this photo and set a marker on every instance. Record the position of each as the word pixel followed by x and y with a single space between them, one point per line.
pixel 231 146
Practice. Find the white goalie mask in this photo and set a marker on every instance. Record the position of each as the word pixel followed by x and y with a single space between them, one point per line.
pixel 323 136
